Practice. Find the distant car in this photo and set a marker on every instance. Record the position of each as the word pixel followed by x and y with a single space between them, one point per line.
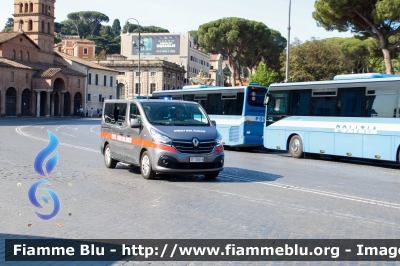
pixel 161 137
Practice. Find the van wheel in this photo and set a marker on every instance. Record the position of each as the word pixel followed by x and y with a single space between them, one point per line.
pixel 145 166
pixel 211 175
pixel 108 160
pixel 296 147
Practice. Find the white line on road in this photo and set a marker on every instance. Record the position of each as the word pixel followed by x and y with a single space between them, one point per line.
pixel 274 184
pixel 60 127
pixel 68 134
pixel 314 191
pixel 91 130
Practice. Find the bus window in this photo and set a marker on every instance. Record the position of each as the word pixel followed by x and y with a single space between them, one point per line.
pixel 255 96
pixel 323 106
pixel 213 105
pixel 300 102
pixel 188 97
pixel 351 102
pixel 381 103
pixel 278 103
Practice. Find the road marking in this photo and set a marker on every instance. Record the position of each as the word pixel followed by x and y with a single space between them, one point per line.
pixel 91 130
pixel 60 127
pixel 278 185
pixel 68 134
pixel 19 131
pixel 319 192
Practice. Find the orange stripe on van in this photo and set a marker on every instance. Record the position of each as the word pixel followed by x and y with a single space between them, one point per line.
pixel 136 141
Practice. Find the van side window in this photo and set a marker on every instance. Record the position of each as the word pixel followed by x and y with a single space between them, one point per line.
pixel 114 113
pixel 135 113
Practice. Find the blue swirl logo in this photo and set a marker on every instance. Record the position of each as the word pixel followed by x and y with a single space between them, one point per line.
pixel 50 165
pixel 35 202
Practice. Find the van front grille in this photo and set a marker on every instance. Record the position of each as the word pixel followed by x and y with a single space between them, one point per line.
pixel 188 147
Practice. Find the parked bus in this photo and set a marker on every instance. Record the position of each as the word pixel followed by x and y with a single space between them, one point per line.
pixel 239 112
pixel 351 116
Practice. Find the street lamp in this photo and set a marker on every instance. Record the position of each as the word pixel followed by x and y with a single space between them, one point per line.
pixel 288 47
pixel 136 46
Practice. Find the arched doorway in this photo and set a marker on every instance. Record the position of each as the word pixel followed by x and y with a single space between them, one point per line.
pixel 121 91
pixel 26 103
pixel 67 104
pixel 11 102
pixel 77 102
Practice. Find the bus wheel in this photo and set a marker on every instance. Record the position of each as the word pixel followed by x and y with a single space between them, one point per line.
pixel 108 160
pixel 296 147
pixel 145 167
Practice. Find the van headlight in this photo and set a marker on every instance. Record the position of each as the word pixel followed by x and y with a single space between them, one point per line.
pixel 218 140
pixel 158 137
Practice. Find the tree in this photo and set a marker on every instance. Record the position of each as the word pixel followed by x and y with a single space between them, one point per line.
pixel 264 75
pixel 193 33
pixel 143 29
pixel 107 41
pixel 231 37
pixel 315 60
pixel 9 26
pixel 116 27
pixel 227 74
pixel 87 23
pixel 379 19
pixel 267 50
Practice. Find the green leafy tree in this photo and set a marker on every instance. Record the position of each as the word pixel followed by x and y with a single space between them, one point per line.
pixel 231 37
pixel 9 26
pixel 102 55
pixel 87 23
pixel 264 75
pixel 107 41
pixel 315 60
pixel 193 33
pixel 143 29
pixel 116 27
pixel 227 74
pixel 379 19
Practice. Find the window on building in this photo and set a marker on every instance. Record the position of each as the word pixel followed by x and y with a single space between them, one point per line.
pixel 13 55
pixel 42 30
pixel 164 74
pixel 152 87
pixel 137 88
pixel 105 81
pixel 111 81
pixel 70 52
pixel 26 77
pixel 178 77
pixel 12 76
pixel 153 74
pixel 27 56
pixel 168 86
pixel 30 7
pixel 169 75
pixel 42 8
pixel 21 8
pixel 90 78
pixel 26 8
pixel 20 55
pixel 121 73
pixel 30 25
pixel 97 79
pixel 48 28
pixel 164 87
pixel 100 97
pixel 79 83
pixel 85 50
pixel 137 74
pixel 89 97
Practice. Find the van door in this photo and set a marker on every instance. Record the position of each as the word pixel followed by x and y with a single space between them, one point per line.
pixel 132 151
pixel 115 117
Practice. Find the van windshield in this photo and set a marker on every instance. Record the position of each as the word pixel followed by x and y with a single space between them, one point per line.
pixel 175 114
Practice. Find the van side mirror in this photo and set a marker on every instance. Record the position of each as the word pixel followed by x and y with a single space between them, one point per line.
pixel 213 123
pixel 266 99
pixel 135 123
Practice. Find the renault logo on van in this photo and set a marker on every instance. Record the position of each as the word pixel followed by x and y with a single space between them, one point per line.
pixel 195 142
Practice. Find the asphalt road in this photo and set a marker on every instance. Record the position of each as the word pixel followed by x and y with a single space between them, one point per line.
pixel 259 194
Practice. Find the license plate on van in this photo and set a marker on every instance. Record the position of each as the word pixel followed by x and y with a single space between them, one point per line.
pixel 196 159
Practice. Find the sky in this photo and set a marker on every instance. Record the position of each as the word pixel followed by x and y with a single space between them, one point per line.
pixel 184 15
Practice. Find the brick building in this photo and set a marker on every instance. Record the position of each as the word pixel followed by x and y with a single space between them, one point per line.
pixel 75 46
pixel 31 82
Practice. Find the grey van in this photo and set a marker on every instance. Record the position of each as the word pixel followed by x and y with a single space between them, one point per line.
pixel 161 136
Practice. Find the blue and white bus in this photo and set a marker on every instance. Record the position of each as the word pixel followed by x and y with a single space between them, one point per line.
pixel 354 115
pixel 239 112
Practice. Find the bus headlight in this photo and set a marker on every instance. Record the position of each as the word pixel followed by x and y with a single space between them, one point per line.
pixel 218 140
pixel 159 137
